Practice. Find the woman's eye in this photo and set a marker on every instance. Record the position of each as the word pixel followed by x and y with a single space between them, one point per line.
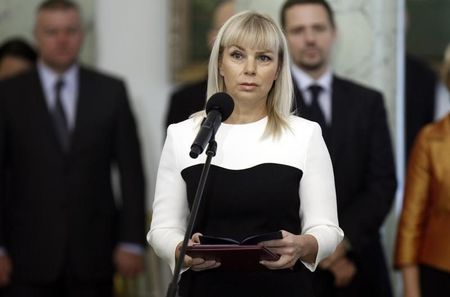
pixel 236 55
pixel 265 58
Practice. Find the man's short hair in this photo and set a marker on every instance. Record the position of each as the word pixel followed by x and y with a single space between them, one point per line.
pixel 57 4
pixel 288 4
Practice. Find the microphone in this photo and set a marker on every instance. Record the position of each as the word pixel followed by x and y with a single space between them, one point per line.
pixel 218 108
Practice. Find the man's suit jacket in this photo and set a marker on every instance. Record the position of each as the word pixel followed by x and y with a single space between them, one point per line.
pixel 361 152
pixel 61 212
pixel 185 101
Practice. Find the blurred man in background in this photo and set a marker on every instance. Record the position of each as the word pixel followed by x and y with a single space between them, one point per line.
pixel 354 126
pixel 62 128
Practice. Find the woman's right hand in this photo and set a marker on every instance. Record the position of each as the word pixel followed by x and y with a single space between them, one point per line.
pixel 196 264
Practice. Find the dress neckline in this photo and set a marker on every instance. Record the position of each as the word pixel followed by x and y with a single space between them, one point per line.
pixel 261 121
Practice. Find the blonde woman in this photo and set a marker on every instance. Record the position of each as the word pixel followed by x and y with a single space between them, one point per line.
pixel 272 172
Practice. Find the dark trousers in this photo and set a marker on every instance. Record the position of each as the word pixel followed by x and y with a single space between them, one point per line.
pixel 434 282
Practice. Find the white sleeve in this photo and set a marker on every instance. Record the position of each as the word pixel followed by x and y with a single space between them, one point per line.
pixel 318 209
pixel 170 208
pixel 442 103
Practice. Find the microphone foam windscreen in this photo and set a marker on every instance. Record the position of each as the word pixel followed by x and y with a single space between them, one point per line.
pixel 221 102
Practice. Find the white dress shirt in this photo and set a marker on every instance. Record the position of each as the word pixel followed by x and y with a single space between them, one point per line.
pixel 304 81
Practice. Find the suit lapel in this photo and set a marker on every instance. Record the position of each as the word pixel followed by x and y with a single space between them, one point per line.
pixel 85 89
pixel 42 113
pixel 298 100
pixel 299 103
pixel 340 103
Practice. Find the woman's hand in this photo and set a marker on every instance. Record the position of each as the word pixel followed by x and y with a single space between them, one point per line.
pixel 291 248
pixel 196 264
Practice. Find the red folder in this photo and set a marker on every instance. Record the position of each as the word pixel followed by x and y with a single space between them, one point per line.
pixel 232 256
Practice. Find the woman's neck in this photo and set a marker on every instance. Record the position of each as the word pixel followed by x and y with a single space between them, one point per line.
pixel 246 114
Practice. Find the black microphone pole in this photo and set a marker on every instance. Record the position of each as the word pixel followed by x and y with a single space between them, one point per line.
pixel 210 152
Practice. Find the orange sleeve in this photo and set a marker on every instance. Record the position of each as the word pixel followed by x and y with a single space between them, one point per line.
pixel 415 203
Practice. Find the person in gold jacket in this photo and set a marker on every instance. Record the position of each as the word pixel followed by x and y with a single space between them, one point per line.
pixel 423 239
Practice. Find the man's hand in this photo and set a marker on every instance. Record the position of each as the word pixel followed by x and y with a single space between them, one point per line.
pixel 128 264
pixel 339 265
pixel 5 270
pixel 344 271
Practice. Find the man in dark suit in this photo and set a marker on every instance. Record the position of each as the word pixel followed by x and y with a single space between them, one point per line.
pixel 191 97
pixel 354 126
pixel 62 128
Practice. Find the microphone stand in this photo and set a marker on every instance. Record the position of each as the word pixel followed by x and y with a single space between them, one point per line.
pixel 210 152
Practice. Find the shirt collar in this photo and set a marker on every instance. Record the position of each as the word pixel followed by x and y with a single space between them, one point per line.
pixel 49 77
pixel 303 80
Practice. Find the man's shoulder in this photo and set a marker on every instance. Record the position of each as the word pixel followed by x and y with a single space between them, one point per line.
pixel 190 89
pixel 99 75
pixel 19 83
pixel 20 78
pixel 353 87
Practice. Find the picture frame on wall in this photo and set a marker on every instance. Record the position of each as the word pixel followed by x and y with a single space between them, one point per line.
pixel 428 29
pixel 190 21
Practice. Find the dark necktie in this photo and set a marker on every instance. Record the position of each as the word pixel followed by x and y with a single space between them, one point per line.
pixel 59 117
pixel 315 110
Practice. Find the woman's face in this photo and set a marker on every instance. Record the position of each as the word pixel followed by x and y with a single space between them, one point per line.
pixel 248 73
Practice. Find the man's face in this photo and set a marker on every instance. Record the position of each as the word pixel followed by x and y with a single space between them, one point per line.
pixel 310 36
pixel 59 37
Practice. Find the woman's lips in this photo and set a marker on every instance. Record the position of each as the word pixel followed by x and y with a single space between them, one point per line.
pixel 248 86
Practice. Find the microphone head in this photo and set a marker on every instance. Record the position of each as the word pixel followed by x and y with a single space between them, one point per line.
pixel 222 102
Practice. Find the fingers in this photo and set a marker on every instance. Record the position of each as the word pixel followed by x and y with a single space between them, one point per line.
pixel 277 242
pixel 199 264
pixel 283 263
pixel 187 261
pixel 196 237
pixel 128 264
pixel 286 247
pixel 344 271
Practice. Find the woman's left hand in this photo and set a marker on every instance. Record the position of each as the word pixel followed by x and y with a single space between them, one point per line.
pixel 291 248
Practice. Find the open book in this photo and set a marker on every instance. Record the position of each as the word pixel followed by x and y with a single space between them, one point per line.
pixel 232 254
pixel 251 240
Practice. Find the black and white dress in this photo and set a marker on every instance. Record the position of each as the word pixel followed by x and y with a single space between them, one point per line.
pixel 256 184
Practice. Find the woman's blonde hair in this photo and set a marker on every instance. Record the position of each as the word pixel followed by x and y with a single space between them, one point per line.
pixel 258 31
